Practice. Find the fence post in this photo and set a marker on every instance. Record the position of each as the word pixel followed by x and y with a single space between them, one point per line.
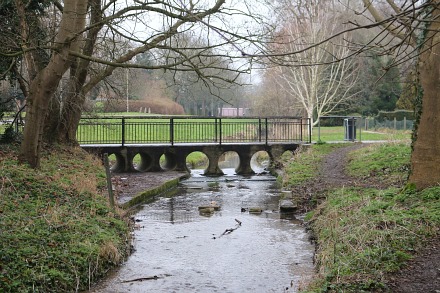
pixel 123 131
pixel 172 131
pixel 220 130
pixel 216 129
pixel 319 129
pixel 267 130
pixel 109 181
pixel 395 123
pixel 353 129
pixel 309 122
pixel 259 129
pixel 404 123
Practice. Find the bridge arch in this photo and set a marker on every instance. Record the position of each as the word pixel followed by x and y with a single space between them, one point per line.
pixel 260 161
pixel 201 161
pixel 146 162
pixel 121 163
pixel 169 161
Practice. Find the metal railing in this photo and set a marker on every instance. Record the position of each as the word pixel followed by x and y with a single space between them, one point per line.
pixel 189 129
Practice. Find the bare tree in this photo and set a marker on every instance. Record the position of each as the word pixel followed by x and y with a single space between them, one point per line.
pixel 322 77
pixel 80 25
pixel 272 100
pixel 407 31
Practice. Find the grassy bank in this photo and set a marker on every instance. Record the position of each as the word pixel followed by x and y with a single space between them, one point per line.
pixel 58 233
pixel 364 233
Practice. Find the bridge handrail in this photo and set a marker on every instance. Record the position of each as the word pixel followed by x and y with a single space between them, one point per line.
pixel 178 129
pixel 186 117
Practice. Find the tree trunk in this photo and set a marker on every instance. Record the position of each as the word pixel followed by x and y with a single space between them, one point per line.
pixel 68 117
pixel 52 120
pixel 425 158
pixel 44 85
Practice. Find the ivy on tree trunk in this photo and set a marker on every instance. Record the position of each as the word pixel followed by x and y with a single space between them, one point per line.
pixel 425 158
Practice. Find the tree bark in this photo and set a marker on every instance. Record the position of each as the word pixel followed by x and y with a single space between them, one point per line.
pixel 425 158
pixel 65 121
pixel 44 85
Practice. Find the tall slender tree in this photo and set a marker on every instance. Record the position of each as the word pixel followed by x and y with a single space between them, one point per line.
pixel 321 77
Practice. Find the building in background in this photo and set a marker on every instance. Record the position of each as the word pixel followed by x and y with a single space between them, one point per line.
pixel 233 112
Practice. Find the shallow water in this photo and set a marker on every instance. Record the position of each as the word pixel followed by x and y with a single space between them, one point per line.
pixel 186 251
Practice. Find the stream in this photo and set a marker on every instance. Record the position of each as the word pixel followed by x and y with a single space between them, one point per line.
pixel 179 248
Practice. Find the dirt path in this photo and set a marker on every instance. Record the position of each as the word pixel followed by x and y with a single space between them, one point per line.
pixel 422 274
pixel 332 172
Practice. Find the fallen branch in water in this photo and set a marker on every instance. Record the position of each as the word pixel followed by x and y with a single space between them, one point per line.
pixel 141 279
pixel 230 230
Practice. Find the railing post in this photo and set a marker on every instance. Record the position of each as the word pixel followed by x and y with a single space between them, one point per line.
pixel 267 131
pixel 172 131
pixel 215 129
pixel 319 129
pixel 259 129
pixel 220 130
pixel 310 130
pixel 353 129
pixel 123 131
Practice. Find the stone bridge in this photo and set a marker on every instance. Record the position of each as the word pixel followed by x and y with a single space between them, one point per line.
pixel 175 156
pixel 178 136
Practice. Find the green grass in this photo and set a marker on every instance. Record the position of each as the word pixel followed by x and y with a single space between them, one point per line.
pixel 196 159
pixel 336 133
pixel 58 232
pixel 364 233
pixel 389 162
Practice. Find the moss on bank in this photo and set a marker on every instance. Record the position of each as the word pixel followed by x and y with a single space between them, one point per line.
pixel 58 232
pixel 150 194
pixel 364 233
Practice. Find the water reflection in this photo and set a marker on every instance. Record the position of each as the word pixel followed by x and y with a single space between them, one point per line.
pixel 189 252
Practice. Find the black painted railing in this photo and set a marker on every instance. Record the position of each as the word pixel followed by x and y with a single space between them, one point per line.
pixel 184 129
